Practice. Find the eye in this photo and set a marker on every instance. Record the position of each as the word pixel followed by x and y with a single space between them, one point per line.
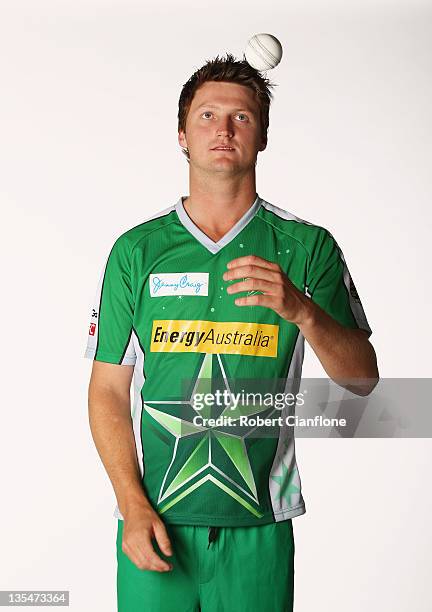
pixel 242 115
pixel 206 113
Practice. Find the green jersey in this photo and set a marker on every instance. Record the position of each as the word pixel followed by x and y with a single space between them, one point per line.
pixel 162 306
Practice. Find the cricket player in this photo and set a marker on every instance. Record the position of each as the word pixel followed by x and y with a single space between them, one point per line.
pixel 219 290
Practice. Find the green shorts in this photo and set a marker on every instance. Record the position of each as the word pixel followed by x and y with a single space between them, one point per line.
pixel 217 569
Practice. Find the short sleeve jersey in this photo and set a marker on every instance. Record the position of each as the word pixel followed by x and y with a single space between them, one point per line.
pixel 162 306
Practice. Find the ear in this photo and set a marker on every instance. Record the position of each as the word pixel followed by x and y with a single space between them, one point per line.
pixel 263 145
pixel 182 139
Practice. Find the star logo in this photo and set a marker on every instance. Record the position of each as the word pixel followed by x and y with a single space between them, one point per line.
pixel 286 483
pixel 202 454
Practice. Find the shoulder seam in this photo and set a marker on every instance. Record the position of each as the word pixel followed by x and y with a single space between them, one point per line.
pixel 145 222
pixel 156 229
pixel 300 220
pixel 287 233
pixel 148 233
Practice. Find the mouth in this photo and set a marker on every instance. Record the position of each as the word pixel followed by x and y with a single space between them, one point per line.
pixel 223 149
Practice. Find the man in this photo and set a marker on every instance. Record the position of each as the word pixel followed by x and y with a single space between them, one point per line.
pixel 218 289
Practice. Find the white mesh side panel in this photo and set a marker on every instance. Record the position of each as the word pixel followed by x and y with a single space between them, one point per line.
pixel 354 300
pixel 138 381
pixel 129 358
pixel 284 469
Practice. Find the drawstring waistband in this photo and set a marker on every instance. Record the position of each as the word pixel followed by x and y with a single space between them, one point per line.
pixel 212 535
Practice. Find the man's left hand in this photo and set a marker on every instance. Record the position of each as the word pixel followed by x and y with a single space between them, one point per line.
pixel 278 292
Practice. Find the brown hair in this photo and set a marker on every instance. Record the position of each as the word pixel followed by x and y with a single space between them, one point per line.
pixel 230 70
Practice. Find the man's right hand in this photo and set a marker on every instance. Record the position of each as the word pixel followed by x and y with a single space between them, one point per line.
pixel 141 525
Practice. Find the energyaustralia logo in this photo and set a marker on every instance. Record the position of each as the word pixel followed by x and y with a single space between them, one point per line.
pixel 182 283
pixel 182 336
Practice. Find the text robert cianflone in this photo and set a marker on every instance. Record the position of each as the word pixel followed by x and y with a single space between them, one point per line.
pixel 257 421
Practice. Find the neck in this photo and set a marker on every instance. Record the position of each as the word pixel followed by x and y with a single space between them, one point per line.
pixel 215 206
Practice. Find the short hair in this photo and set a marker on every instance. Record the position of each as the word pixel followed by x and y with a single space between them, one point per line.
pixel 229 70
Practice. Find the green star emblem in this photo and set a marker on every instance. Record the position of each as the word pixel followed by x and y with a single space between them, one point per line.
pixel 216 454
pixel 286 484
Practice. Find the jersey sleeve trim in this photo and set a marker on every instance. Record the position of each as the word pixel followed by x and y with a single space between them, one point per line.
pixel 110 332
pixel 354 300
pixel 109 357
pixel 328 275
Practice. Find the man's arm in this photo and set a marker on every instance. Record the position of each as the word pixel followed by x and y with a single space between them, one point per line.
pixel 111 428
pixel 346 354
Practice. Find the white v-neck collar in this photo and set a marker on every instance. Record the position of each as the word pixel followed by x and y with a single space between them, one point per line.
pixel 208 243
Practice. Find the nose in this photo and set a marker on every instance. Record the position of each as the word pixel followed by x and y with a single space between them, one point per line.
pixel 225 128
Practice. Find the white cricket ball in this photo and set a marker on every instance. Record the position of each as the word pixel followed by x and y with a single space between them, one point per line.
pixel 263 52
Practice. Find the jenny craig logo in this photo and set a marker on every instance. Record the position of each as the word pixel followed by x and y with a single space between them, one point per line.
pixel 182 283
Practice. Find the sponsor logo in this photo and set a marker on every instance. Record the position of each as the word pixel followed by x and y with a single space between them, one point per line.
pixel 94 314
pixel 92 329
pixel 183 283
pixel 236 338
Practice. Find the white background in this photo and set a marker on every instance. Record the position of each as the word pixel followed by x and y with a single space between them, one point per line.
pixel 88 149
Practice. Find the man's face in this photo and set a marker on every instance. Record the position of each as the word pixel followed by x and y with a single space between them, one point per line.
pixel 223 114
